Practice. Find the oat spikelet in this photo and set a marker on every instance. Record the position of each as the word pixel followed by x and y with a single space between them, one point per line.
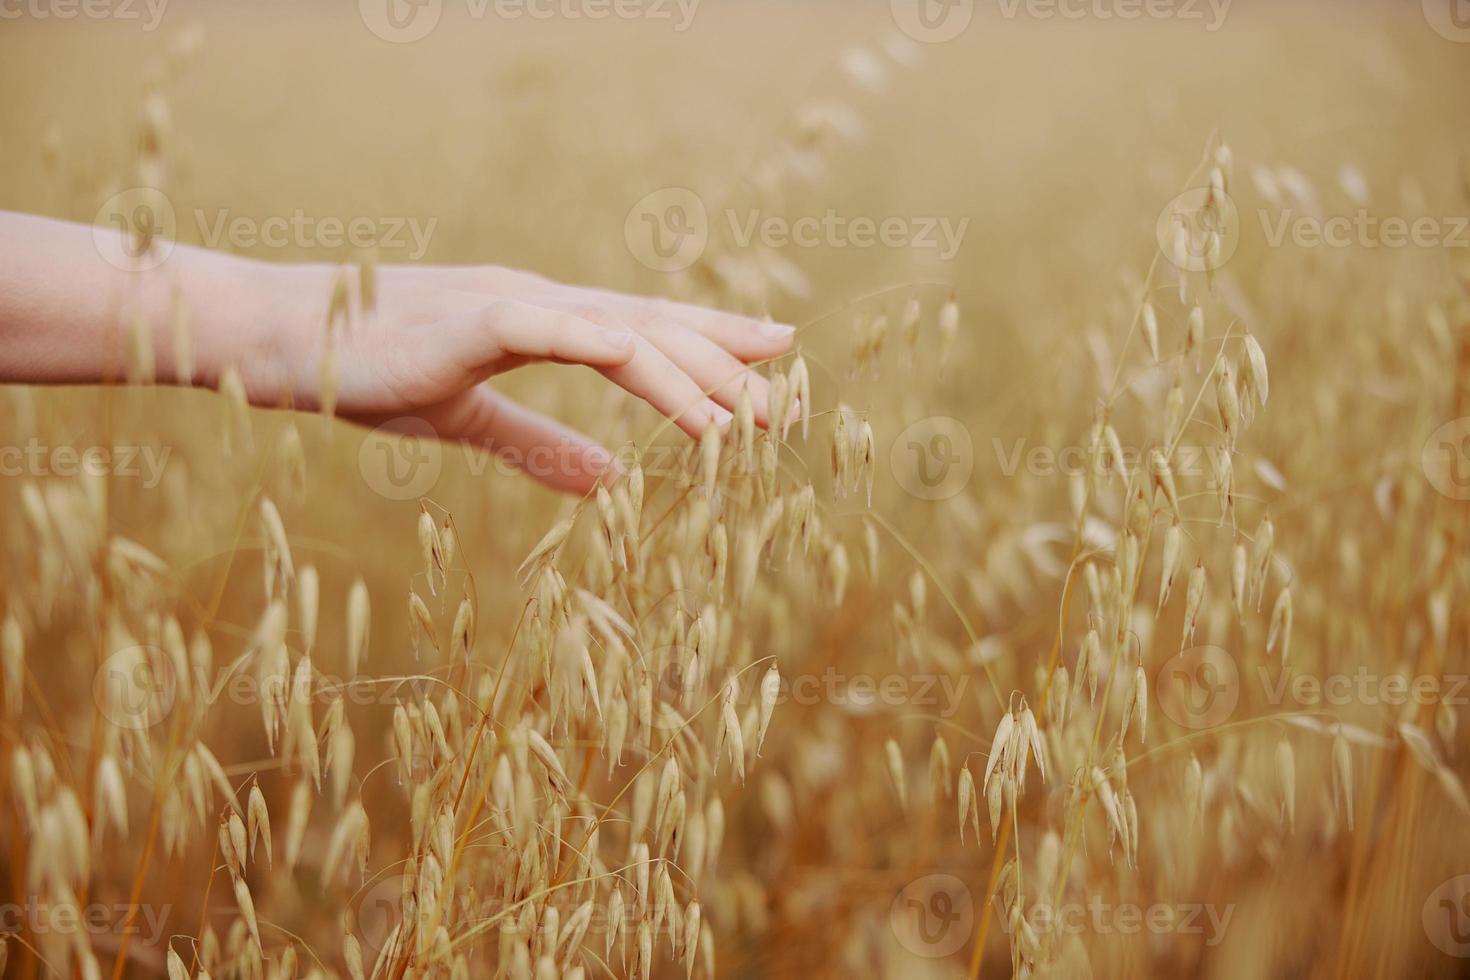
pixel 732 739
pixel 1280 630
pixel 949 329
pixel 1342 776
pixel 259 822
pixel 12 666
pixel 308 597
pixel 770 691
pixel 1151 331
pixel 894 756
pixel 969 804
pixel 296 819
pixel 1255 376
pixel 247 909
pixel 801 391
pixel 1170 567
pixel 1194 596
pixel 1286 775
pixel 359 622
pixel 939 785
pixel 1194 337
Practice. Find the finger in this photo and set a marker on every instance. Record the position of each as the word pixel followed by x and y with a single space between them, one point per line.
pixel 747 338
pixel 713 369
pixel 659 381
pixel 512 330
pixel 545 450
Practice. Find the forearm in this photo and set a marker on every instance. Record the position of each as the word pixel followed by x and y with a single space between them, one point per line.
pixel 67 312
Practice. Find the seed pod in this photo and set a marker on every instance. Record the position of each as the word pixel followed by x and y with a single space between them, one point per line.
pixel 247 910
pixel 1163 476
pixel 895 772
pixel 1087 662
pixel 994 795
pixel 745 431
pixel 939 769
pixel 801 390
pixel 430 552
pixel 1256 380
pixel 1237 579
pixel 12 666
pixel 1286 774
pixel 969 803
pixel 1342 776
pixel 1261 550
pixel 949 329
pixel 307 595
pixel 999 745
pixel 359 618
pixel 1151 331
pixel 732 739
pixel 1173 545
pixel 779 406
pixel 1194 338
pixel 1226 401
pixel 1193 597
pixel 841 455
pixel 770 690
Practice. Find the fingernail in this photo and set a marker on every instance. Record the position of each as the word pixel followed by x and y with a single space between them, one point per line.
pixel 776 331
pixel 720 415
pixel 619 339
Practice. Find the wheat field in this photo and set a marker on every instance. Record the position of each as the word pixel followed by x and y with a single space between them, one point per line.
pixel 1101 611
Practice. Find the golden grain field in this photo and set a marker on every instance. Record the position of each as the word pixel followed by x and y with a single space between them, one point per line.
pixel 1102 611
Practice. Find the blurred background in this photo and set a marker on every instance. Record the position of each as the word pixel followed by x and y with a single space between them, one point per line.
pixel 1027 159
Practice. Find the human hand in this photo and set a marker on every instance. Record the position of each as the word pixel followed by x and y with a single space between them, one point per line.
pixel 431 336
pixel 435 333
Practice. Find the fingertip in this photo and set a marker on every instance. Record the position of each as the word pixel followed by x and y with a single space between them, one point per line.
pixel 777 333
pixel 621 344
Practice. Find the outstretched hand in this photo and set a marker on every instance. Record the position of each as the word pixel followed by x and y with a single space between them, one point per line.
pixel 421 352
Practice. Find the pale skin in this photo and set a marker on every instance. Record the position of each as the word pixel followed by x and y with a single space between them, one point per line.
pixel 435 334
